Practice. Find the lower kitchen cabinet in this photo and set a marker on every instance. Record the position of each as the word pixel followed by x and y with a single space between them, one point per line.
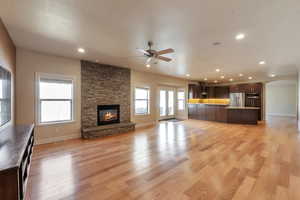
pixel 208 112
pixel 223 113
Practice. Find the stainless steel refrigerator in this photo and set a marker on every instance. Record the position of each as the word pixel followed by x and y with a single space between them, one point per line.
pixel 237 99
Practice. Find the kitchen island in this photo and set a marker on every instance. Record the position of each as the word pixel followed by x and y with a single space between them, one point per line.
pixel 223 113
pixel 242 115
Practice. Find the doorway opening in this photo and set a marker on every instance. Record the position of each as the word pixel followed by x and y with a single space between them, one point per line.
pixel 281 99
pixel 166 103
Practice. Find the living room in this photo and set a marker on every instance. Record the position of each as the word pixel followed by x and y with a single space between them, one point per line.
pixel 138 100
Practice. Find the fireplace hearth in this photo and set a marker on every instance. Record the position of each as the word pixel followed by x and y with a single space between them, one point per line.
pixel 108 114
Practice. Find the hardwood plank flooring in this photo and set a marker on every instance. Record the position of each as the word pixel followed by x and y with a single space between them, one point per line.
pixel 174 160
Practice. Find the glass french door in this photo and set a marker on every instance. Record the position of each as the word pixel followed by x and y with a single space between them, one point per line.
pixel 166 103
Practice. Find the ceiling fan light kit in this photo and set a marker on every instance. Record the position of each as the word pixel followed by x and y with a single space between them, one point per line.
pixel 156 55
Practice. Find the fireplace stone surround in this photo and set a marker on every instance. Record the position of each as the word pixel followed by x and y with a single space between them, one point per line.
pixel 104 85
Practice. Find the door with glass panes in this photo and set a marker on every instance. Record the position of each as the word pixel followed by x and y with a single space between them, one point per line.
pixel 166 103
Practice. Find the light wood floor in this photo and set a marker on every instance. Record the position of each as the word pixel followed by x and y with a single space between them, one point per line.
pixel 181 160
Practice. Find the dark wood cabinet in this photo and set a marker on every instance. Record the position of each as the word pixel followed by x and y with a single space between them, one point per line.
pixel 17 145
pixel 234 88
pixel 193 91
pixel 242 116
pixel 193 110
pixel 222 92
pixel 254 97
pixel 198 91
pixel 222 113
pixel 208 112
pixel 218 92
pixel 246 88
pixel 211 92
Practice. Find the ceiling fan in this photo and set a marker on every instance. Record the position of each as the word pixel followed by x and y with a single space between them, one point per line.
pixel 153 54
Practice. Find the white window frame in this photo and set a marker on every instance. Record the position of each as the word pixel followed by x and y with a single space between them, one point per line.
pixel 148 101
pixel 181 90
pixel 38 100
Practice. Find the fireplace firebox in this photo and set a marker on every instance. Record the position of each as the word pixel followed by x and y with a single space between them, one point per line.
pixel 108 114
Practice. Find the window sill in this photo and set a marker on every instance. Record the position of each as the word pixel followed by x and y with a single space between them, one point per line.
pixel 142 114
pixel 56 123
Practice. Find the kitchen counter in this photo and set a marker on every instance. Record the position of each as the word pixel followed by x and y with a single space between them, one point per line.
pixel 217 104
pixel 242 108
pixel 223 113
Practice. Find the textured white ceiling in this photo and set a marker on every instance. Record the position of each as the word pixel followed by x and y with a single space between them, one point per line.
pixel 110 31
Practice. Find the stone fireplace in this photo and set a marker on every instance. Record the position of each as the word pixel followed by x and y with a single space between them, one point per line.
pixel 108 114
pixel 105 100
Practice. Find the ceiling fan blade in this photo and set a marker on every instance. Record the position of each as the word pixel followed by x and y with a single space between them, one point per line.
pixel 165 51
pixel 164 58
pixel 144 51
pixel 149 60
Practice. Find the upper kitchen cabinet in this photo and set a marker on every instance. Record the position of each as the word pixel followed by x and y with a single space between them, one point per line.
pixel 254 88
pixel 197 91
pixel 193 91
pixel 246 88
pixel 221 92
pixel 201 91
pixel 234 88
pixel 211 92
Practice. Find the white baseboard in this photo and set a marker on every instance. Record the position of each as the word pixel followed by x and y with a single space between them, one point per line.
pixel 145 124
pixel 57 139
pixel 281 115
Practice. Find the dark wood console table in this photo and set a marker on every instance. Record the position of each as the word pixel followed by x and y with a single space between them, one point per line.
pixel 16 144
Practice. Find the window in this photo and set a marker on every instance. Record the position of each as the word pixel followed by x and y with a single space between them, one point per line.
pixel 5 96
pixel 162 103
pixel 180 100
pixel 141 101
pixel 55 99
pixel 171 102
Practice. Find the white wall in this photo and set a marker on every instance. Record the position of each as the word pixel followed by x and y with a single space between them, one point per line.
pixel 281 98
pixel 28 63
pixel 154 82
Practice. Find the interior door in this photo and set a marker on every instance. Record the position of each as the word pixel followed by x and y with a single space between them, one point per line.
pixel 166 103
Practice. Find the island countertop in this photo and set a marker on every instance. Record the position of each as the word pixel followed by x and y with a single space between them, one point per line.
pixel 242 108
pixel 217 104
pixel 228 106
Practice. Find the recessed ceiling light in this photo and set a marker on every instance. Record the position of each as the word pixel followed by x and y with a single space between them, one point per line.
pixel 231 79
pixel 272 75
pixel 205 79
pixel 262 62
pixel 240 36
pixel 250 78
pixel 218 70
pixel 215 81
pixel 222 77
pixel 188 75
pixel 241 75
pixel 81 50
pixel 148 65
